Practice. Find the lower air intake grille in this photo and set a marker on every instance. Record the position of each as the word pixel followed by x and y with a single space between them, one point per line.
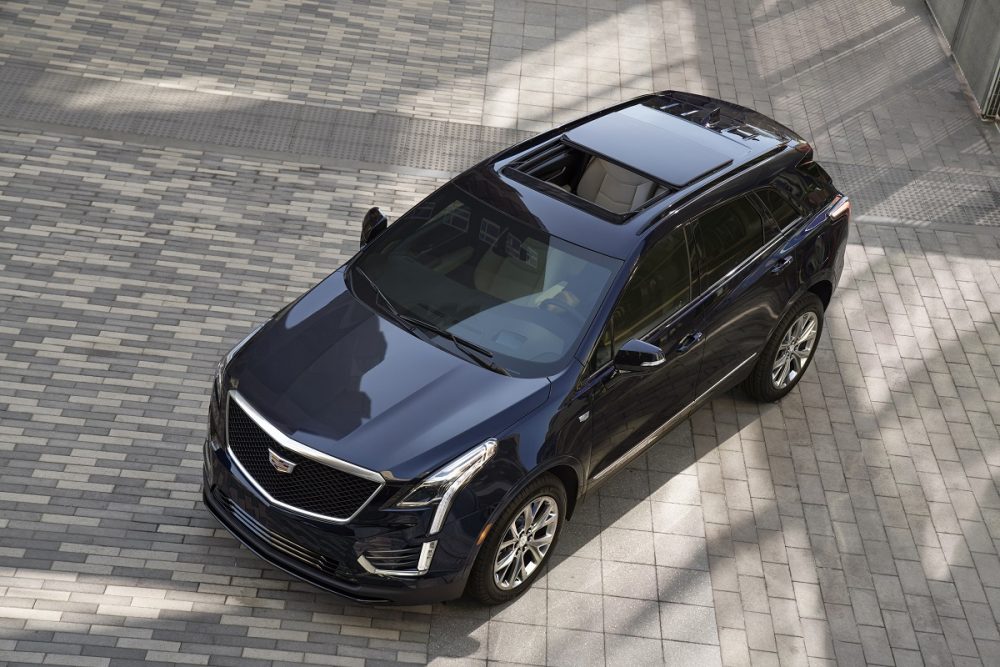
pixel 394 560
pixel 311 486
pixel 280 543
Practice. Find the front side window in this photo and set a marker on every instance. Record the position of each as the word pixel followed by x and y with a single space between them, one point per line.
pixel 490 278
pixel 724 237
pixel 660 285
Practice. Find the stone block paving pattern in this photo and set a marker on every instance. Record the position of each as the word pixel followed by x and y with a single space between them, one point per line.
pixel 356 54
pixel 127 272
pixel 171 173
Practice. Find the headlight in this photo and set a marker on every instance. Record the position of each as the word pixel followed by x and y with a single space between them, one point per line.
pixel 441 486
pixel 224 362
pixel 219 369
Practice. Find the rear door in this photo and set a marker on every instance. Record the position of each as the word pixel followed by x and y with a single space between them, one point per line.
pixel 746 274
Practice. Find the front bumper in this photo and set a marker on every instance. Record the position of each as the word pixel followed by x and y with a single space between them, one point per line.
pixel 326 555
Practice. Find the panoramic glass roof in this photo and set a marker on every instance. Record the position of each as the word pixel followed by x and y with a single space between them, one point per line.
pixel 665 147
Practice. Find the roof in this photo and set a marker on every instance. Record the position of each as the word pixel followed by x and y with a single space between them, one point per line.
pixel 681 140
pixel 662 146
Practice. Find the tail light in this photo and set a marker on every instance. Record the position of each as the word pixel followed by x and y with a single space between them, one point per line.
pixel 841 207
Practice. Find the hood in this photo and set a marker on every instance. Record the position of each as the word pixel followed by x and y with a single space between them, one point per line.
pixel 334 375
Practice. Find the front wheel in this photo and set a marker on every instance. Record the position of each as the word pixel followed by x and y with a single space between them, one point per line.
pixel 519 543
pixel 788 352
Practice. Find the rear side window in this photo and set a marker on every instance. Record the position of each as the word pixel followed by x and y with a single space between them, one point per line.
pixel 781 210
pixel 724 237
pixel 809 186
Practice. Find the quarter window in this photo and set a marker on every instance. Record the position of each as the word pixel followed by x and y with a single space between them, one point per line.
pixel 724 237
pixel 782 212
pixel 659 287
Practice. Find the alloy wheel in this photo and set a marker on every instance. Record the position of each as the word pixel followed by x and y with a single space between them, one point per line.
pixel 526 542
pixel 795 349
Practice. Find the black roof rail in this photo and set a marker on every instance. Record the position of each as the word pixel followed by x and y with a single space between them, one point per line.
pixel 711 185
pixel 705 112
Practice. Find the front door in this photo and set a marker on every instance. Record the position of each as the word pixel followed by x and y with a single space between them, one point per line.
pixel 626 408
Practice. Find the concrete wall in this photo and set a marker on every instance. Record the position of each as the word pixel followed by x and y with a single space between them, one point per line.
pixel 972 27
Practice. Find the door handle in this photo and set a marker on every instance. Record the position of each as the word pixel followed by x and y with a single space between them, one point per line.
pixel 781 264
pixel 689 341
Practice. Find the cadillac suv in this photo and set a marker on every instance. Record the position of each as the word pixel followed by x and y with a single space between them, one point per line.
pixel 423 422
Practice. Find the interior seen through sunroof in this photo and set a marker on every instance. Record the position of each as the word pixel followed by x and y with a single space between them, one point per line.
pixel 592 178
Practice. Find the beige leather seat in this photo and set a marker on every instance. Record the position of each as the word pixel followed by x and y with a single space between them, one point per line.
pixel 508 278
pixel 613 188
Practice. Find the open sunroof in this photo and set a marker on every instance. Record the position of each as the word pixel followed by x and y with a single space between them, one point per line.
pixel 587 180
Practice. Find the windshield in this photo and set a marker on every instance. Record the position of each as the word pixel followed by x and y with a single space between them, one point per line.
pixel 503 284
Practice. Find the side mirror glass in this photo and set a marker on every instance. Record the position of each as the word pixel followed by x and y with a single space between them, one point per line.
pixel 637 356
pixel 373 224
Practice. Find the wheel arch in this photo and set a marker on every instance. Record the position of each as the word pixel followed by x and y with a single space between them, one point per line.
pixel 566 469
pixel 823 288
pixel 568 476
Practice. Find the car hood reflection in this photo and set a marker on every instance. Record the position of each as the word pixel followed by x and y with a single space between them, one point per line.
pixel 333 375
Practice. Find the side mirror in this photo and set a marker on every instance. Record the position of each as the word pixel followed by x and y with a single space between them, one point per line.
pixel 373 224
pixel 637 356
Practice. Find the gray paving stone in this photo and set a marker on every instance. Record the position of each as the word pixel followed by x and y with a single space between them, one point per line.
pixel 632 617
pixel 684 653
pixel 575 611
pixel 630 580
pixel 686 622
pixel 626 651
pixel 511 642
pixel 532 608
pixel 574 647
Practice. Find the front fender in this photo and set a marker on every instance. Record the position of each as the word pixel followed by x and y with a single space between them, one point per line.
pixel 529 449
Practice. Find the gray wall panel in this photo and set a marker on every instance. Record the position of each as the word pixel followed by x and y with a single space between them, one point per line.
pixel 972 27
pixel 947 12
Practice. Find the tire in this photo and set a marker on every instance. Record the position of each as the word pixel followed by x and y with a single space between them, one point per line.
pixel 761 384
pixel 486 585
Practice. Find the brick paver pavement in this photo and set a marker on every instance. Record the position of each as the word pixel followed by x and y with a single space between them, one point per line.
pixel 173 172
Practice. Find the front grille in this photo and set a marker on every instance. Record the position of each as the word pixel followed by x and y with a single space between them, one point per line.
pixel 394 560
pixel 311 486
pixel 318 561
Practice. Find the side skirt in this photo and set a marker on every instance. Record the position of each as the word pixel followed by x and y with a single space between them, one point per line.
pixel 653 437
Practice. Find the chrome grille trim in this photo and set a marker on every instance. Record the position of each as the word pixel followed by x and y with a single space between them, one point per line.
pixel 303 450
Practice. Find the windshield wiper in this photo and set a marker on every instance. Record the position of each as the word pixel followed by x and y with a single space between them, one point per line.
pixel 461 343
pixel 396 315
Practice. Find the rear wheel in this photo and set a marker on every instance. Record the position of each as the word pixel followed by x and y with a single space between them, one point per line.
pixel 788 353
pixel 520 542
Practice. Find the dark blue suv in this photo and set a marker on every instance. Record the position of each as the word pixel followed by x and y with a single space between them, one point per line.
pixel 423 422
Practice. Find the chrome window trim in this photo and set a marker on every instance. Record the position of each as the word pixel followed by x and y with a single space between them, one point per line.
pixel 651 439
pixel 759 254
pixel 303 450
